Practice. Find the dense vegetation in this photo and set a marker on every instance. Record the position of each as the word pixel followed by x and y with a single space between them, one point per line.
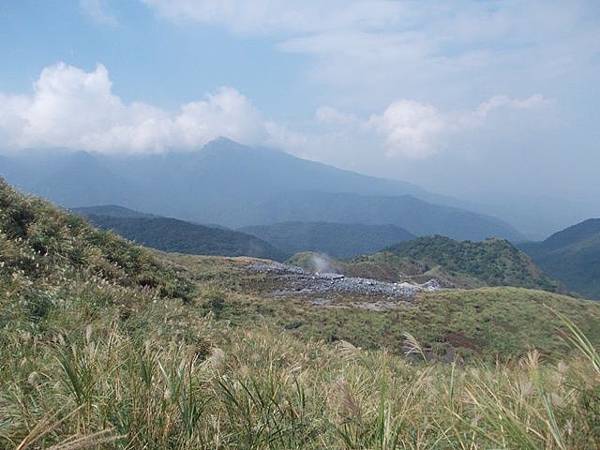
pixel 572 256
pixel 495 262
pixel 340 240
pixel 104 344
pixel 458 264
pixel 174 235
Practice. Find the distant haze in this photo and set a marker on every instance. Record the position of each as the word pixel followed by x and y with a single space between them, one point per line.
pixel 492 102
pixel 234 185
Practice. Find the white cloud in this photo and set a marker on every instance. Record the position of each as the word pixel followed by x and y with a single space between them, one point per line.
pixel 283 16
pixel 98 12
pixel 368 51
pixel 418 130
pixel 410 128
pixel 329 115
pixel 75 109
pixel 502 101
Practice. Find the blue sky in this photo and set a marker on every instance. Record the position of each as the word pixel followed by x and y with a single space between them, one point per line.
pixel 149 58
pixel 462 97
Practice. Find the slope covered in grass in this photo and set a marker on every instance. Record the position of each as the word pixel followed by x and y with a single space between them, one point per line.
pixel 257 388
pixel 486 323
pixel 48 256
pixel 107 345
pixel 572 256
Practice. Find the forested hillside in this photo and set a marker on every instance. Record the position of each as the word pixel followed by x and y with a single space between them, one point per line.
pixel 174 235
pixel 572 256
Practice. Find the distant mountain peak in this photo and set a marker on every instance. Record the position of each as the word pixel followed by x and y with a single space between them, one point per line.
pixel 239 185
pixel 224 143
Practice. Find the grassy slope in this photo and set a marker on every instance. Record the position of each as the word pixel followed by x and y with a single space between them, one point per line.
pixel 44 244
pixel 487 323
pixel 105 345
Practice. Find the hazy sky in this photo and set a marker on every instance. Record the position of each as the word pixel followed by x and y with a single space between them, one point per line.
pixel 468 98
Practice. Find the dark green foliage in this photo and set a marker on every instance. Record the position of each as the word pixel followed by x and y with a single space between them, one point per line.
pixel 572 256
pixel 214 301
pixel 495 262
pixel 340 240
pixel 174 235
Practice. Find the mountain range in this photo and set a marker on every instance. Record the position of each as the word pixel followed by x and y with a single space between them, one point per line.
pixel 340 240
pixel 173 235
pixel 234 185
pixel 571 256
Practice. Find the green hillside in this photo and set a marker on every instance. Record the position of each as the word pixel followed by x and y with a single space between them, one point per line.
pixel 572 256
pixel 340 240
pixel 107 345
pixel 45 252
pixel 173 235
pixel 457 264
pixel 485 323
pixel 495 262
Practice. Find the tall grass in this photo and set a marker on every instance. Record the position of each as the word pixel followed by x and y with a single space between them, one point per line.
pixel 103 346
pixel 261 389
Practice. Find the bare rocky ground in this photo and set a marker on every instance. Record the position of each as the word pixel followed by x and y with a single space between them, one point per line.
pixel 295 281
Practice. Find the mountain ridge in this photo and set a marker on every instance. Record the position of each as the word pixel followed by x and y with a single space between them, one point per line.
pixel 174 235
pixel 340 240
pixel 235 185
pixel 572 256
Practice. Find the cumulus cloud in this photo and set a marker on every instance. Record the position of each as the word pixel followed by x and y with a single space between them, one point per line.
pixel 410 128
pixel 418 130
pixel 72 108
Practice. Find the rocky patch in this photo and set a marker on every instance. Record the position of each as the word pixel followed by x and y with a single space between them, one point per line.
pixel 292 280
